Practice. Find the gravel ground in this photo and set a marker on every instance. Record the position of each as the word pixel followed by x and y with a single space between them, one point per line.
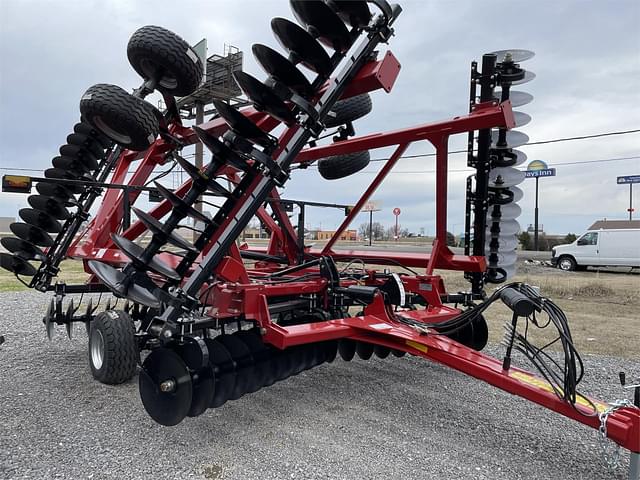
pixel 382 419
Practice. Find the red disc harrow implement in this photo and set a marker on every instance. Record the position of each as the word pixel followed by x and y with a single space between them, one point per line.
pixel 221 319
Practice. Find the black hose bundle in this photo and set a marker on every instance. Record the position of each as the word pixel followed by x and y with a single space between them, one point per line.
pixel 563 376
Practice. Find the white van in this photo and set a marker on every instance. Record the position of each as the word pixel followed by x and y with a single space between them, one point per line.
pixel 602 245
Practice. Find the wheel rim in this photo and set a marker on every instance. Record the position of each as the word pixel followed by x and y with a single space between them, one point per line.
pixel 565 264
pixel 97 349
pixel 118 137
pixel 151 70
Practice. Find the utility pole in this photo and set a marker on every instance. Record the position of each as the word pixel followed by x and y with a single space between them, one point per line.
pixel 199 157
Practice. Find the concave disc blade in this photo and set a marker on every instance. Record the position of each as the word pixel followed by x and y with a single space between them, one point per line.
pixel 513 139
pixel 283 364
pixel 398 353
pixel 48 320
pixel 508 158
pixel 22 248
pixel 51 205
pixel 88 142
pixel 164 367
pixel 517 194
pixel 157 228
pixel 331 348
pixel 40 219
pixel 119 283
pixel 58 192
pixel 507 227
pixel 465 334
pixel 241 124
pixel 517 98
pixel 16 264
pixel 86 129
pixel 58 173
pixel 505 242
pixel 70 164
pixel 245 377
pixel 220 150
pixel 507 212
pixel 281 69
pixel 263 97
pixel 224 372
pixel 528 76
pixel 298 357
pixel 381 351
pixel 521 119
pixel 202 392
pixel 179 204
pixel 505 258
pixel 355 12
pixel 323 23
pixel 31 234
pixel 320 353
pixel 261 353
pixel 81 153
pixel 505 177
pixel 301 46
pixel 364 350
pixel 517 55
pixel 135 253
pixel 346 349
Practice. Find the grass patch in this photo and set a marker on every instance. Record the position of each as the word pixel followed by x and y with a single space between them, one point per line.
pixel 71 272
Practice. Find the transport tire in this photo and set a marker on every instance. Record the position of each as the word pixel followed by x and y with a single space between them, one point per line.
pixel 348 110
pixel 340 166
pixel 566 263
pixel 113 352
pixel 127 120
pixel 154 51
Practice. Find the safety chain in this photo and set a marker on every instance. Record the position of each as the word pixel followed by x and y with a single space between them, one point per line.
pixel 610 450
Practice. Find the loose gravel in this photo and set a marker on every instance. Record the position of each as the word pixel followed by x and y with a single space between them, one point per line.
pixel 382 419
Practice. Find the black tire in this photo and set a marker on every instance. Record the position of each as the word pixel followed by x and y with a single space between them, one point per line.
pixel 154 49
pixel 567 263
pixel 113 352
pixel 125 119
pixel 340 166
pixel 348 110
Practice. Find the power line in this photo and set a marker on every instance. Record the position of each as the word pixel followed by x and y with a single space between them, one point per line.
pixel 580 162
pixel 420 155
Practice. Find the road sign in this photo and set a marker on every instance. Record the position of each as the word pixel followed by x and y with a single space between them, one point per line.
pixel 539 168
pixel 628 179
pixel 547 172
pixel 371 206
pixel 396 211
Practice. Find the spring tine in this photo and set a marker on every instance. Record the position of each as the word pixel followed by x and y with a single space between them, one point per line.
pixel 108 304
pixel 127 306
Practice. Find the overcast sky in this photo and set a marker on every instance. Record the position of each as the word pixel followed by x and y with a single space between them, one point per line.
pixel 588 81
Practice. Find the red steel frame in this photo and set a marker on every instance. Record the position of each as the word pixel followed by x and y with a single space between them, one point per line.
pixel 239 295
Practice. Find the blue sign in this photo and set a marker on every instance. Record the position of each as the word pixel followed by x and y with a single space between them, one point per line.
pixel 629 179
pixel 545 172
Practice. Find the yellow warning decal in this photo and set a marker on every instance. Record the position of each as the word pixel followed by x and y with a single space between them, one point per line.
pixel 417 346
pixel 546 386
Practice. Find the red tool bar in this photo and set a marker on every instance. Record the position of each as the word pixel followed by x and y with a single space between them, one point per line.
pixel 485 116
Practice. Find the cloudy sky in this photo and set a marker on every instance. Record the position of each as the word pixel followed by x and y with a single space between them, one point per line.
pixel 588 77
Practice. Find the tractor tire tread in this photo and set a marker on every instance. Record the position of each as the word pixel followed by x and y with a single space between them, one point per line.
pixel 171 49
pixel 125 111
pixel 349 109
pixel 121 355
pixel 341 166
